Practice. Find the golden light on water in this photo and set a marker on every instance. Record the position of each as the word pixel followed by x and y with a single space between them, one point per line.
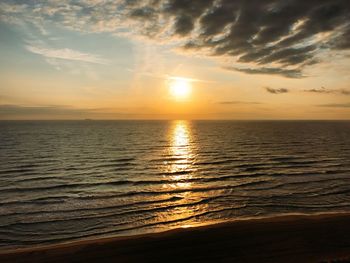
pixel 181 154
pixel 180 170
pixel 180 88
pixel 181 146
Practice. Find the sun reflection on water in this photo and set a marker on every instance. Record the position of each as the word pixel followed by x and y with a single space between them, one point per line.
pixel 181 154
pixel 180 171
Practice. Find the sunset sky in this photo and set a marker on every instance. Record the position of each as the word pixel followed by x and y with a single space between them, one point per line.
pixel 252 59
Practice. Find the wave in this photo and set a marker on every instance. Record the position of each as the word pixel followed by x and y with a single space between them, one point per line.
pixel 112 214
pixel 92 209
pixel 115 177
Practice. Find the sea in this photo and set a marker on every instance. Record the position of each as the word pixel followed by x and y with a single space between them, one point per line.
pixel 64 181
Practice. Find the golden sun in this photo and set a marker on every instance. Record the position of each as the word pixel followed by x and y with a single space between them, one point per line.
pixel 180 88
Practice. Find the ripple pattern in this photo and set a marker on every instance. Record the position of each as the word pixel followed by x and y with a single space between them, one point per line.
pixel 70 180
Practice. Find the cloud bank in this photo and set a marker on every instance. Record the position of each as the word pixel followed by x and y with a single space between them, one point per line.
pixel 19 110
pixel 256 37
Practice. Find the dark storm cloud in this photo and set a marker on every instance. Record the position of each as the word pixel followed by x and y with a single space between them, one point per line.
pixel 276 91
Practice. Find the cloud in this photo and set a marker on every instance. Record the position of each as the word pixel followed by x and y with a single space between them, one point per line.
pixel 343 40
pixel 256 37
pixel 238 102
pixel 320 90
pixel 50 112
pixel 288 73
pixel 15 111
pixel 285 33
pixel 335 105
pixel 67 54
pixel 344 92
pixel 323 90
pixel 276 91
pixel 19 110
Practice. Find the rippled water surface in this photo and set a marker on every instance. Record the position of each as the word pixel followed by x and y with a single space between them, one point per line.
pixel 70 180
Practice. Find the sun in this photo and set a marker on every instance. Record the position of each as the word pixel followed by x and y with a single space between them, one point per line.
pixel 180 88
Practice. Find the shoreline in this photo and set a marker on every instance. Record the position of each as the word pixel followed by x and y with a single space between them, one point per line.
pixel 120 238
pixel 286 238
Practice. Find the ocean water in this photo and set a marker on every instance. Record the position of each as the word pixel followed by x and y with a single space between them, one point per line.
pixel 63 181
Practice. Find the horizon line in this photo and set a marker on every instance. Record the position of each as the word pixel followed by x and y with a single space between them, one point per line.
pixel 89 119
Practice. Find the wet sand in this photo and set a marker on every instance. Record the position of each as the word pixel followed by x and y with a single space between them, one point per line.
pixel 317 238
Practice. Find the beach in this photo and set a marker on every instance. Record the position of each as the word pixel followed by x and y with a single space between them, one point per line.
pixel 292 238
pixel 174 131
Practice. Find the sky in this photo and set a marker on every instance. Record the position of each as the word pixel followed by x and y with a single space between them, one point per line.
pixel 175 59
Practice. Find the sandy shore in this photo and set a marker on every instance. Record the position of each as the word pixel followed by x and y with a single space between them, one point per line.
pixel 317 238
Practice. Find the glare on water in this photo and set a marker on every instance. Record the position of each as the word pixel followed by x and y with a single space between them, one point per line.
pixel 180 170
pixel 181 153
